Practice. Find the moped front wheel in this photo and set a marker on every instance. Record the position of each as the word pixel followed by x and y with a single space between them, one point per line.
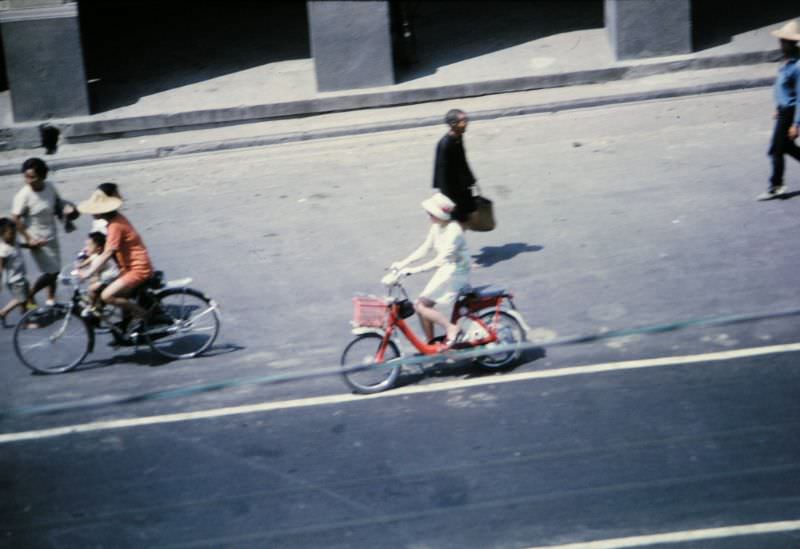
pixel 361 369
pixel 52 340
pixel 509 332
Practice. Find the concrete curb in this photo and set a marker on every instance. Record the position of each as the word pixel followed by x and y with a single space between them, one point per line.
pixel 81 130
pixel 359 129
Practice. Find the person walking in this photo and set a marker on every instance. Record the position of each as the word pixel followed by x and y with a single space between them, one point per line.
pixel 787 115
pixel 12 269
pixel 451 173
pixel 34 211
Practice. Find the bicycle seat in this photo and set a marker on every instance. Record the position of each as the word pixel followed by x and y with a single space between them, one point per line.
pixel 155 281
pixel 481 292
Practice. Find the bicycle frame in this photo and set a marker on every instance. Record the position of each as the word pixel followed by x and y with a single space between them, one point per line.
pixel 464 307
pixel 76 305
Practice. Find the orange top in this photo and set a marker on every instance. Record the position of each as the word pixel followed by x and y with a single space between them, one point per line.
pixel 128 247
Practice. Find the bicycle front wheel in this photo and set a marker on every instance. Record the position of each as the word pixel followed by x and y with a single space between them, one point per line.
pixel 52 340
pixel 375 376
pixel 182 324
pixel 509 332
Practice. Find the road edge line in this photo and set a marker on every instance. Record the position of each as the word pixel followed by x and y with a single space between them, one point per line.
pixel 405 391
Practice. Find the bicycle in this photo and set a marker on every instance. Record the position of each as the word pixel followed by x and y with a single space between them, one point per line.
pixel 487 318
pixel 180 322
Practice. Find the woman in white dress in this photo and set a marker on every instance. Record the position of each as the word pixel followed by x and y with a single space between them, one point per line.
pixel 452 263
pixel 34 210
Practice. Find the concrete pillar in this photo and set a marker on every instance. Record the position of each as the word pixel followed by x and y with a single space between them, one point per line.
pixel 351 43
pixel 44 60
pixel 649 28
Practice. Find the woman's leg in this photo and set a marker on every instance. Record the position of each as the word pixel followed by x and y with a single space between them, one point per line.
pixel 427 312
pixel 427 325
pixel 116 294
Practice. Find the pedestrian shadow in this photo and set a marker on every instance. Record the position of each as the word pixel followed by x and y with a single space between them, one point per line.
pixel 491 255
pixel 788 196
pixel 464 369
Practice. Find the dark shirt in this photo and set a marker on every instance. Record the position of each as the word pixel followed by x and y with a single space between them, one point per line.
pixel 452 176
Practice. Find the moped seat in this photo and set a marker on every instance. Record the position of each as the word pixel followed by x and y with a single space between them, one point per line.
pixel 482 292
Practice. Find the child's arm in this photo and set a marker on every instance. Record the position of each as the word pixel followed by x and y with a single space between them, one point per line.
pixel 104 257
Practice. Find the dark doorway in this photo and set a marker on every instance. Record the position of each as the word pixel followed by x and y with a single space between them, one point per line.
pixel 3 76
pixel 448 32
pixel 716 22
pixel 135 48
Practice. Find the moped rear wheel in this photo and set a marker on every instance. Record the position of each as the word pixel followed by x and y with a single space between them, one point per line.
pixel 509 332
pixel 362 372
pixel 52 340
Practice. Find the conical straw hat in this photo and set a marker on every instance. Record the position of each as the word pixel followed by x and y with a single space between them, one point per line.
pixel 99 203
pixel 790 31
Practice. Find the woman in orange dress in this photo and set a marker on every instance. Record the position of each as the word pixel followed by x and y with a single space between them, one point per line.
pixel 126 246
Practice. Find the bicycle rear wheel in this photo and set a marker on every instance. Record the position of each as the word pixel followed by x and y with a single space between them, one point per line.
pixel 509 332
pixel 376 377
pixel 52 340
pixel 182 324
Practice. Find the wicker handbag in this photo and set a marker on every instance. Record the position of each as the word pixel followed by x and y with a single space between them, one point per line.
pixel 482 219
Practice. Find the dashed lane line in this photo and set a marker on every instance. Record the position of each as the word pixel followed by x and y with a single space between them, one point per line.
pixel 684 536
pixel 411 390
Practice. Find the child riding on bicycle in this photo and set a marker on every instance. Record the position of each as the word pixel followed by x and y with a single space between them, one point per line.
pixel 103 275
pixel 452 264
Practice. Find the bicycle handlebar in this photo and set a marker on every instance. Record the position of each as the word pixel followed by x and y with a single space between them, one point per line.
pixel 393 277
pixel 69 276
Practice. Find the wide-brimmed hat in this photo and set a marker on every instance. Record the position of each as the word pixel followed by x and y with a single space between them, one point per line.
pixel 99 203
pixel 790 31
pixel 439 206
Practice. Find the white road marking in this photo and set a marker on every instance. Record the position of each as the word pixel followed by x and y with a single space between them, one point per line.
pixel 412 390
pixel 685 536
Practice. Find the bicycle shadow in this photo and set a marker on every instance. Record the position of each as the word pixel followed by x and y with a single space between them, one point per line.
pixel 143 356
pixel 464 369
pixel 491 255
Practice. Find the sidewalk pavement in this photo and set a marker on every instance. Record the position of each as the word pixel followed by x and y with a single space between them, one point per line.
pixel 229 111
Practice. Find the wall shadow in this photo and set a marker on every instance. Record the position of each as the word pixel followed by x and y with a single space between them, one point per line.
pixel 135 48
pixel 491 255
pixel 3 74
pixel 448 32
pixel 716 22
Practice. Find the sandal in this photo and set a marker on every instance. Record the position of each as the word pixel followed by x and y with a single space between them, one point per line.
pixel 457 339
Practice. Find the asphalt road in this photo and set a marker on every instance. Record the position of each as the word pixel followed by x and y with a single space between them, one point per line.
pixel 608 218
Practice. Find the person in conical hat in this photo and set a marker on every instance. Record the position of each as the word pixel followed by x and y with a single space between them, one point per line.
pixel 124 244
pixel 452 264
pixel 787 115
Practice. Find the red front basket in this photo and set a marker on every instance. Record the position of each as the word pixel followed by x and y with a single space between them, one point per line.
pixel 368 312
